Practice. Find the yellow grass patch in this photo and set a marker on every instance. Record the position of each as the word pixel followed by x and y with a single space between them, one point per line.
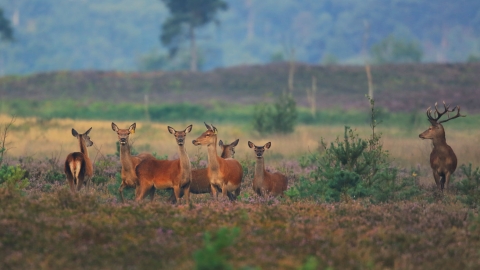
pixel 37 138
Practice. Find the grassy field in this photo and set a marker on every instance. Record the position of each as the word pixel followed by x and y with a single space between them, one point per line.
pixel 44 226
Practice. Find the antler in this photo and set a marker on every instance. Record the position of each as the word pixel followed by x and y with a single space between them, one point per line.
pixel 438 115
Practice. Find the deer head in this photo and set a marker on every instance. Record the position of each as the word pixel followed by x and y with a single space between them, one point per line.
pixel 180 135
pixel 259 150
pixel 124 133
pixel 228 150
pixel 208 137
pixel 85 136
pixel 436 129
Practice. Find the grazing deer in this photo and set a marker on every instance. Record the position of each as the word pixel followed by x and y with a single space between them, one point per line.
pixel 78 166
pixel 129 162
pixel 224 174
pixel 442 159
pixel 265 183
pixel 165 174
pixel 200 183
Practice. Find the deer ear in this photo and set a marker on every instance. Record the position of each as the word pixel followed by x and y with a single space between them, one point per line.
pixel 74 133
pixel 235 142
pixel 114 127
pixel 250 144
pixel 132 128
pixel 208 126
pixel 220 143
pixel 88 131
pixel 171 130
pixel 188 129
pixel 268 144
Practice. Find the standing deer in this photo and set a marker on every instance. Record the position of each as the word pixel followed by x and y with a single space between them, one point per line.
pixel 224 174
pixel 265 183
pixel 129 162
pixel 78 166
pixel 442 159
pixel 165 174
pixel 200 183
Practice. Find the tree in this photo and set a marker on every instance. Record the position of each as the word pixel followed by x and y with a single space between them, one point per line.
pixel 185 17
pixel 6 31
pixel 393 50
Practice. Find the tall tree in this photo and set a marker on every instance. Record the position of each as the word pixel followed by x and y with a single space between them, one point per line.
pixel 185 17
pixel 6 31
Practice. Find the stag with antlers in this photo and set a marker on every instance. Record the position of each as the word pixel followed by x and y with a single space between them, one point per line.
pixel 442 159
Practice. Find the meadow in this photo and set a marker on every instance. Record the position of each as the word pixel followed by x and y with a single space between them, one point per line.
pixel 45 226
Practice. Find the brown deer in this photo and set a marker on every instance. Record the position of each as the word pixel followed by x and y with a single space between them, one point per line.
pixel 442 159
pixel 129 162
pixel 224 174
pixel 266 183
pixel 166 174
pixel 78 166
pixel 200 183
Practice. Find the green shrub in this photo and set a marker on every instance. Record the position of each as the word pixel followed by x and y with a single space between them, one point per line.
pixel 213 256
pixel 469 187
pixel 353 168
pixel 13 177
pixel 280 117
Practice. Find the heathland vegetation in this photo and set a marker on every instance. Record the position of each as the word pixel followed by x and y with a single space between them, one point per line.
pixel 360 189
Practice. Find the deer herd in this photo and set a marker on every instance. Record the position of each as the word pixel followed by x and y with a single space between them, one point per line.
pixel 223 173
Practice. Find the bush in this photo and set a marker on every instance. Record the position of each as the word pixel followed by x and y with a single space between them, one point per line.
pixel 13 177
pixel 469 187
pixel 353 168
pixel 213 256
pixel 280 117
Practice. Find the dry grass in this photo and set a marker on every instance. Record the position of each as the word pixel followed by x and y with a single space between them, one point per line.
pixel 33 137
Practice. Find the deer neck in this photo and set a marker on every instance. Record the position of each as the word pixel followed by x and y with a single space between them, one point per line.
pixel 83 147
pixel 126 157
pixel 259 175
pixel 184 159
pixel 439 141
pixel 212 157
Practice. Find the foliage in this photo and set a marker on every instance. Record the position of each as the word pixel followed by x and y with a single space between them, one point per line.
pixel 393 50
pixel 6 30
pixel 185 17
pixel 212 255
pixel 353 168
pixel 469 187
pixel 13 177
pixel 279 118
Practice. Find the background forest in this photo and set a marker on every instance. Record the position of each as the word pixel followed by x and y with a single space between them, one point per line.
pixel 125 35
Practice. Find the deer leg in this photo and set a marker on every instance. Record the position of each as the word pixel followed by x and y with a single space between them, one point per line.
pixel 176 191
pixel 152 193
pixel 71 183
pixel 436 176
pixel 142 190
pixel 214 191
pixel 80 179
pixel 120 190
pixel 447 180
pixel 186 192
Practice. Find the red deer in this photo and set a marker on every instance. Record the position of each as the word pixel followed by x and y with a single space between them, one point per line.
pixel 165 174
pixel 78 166
pixel 266 183
pixel 200 183
pixel 224 174
pixel 442 159
pixel 129 162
